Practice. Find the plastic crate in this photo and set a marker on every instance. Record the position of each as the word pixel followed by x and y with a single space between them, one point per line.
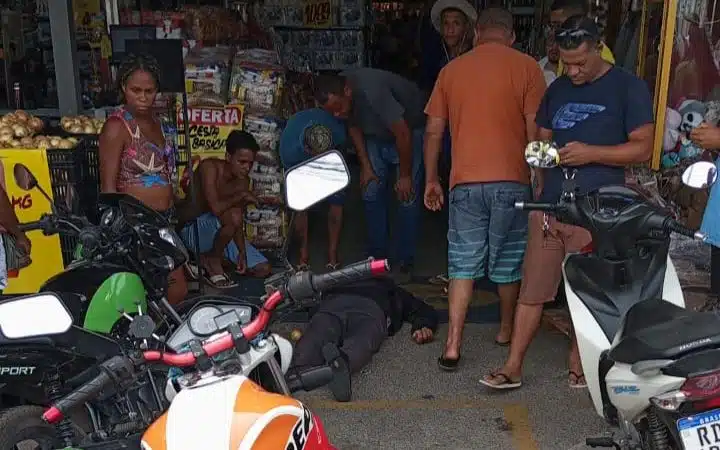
pixel 78 168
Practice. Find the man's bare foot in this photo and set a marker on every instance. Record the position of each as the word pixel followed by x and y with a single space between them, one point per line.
pixel 576 376
pixel 211 264
pixel 451 351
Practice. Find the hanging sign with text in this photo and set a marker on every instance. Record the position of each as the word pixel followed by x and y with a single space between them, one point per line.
pixel 210 126
pixel 318 13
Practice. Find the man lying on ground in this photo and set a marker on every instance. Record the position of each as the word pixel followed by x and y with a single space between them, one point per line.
pixel 222 194
pixel 351 323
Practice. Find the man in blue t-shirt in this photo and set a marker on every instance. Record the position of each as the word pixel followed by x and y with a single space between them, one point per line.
pixel 602 119
pixel 309 133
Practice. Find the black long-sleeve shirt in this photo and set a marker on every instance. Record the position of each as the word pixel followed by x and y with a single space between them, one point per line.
pixel 398 304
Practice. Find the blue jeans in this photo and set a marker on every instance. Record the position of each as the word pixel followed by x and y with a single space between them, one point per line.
pixel 384 161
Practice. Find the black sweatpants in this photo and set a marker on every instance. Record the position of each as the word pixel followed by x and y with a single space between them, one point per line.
pixel 354 323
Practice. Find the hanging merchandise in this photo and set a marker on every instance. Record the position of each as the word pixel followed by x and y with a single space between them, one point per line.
pixel 319 34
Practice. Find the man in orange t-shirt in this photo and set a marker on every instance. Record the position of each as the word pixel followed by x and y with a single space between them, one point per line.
pixel 489 97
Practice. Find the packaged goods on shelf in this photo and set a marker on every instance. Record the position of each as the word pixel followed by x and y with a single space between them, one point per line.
pixel 267 184
pixel 265 226
pixel 266 131
pixel 257 80
pixel 207 72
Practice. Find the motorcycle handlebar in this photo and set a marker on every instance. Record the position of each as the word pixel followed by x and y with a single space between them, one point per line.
pixel 673 226
pixel 533 206
pixel 31 226
pixel 116 367
pixel 667 224
pixel 112 370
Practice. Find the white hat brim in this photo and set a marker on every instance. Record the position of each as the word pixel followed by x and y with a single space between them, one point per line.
pixel 442 5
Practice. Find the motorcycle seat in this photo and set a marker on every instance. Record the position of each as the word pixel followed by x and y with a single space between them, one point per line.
pixel 656 329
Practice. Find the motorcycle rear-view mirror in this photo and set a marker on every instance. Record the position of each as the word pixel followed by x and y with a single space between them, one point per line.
pixel 700 175
pixel 541 154
pixel 315 180
pixel 27 181
pixel 19 316
pixel 24 178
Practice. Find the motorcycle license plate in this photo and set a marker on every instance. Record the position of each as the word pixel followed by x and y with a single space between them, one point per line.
pixel 701 431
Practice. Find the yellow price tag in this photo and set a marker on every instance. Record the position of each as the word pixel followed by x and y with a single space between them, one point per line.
pixel 318 13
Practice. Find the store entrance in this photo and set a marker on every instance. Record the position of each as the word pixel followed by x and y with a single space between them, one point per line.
pixel 432 243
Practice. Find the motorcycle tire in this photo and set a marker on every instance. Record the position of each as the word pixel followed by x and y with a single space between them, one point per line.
pixel 24 423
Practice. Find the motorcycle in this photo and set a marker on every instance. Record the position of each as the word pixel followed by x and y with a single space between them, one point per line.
pixel 317 179
pixel 652 367
pixel 130 253
pixel 121 265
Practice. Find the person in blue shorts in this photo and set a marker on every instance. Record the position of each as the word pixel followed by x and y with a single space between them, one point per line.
pixel 307 134
pixel 223 193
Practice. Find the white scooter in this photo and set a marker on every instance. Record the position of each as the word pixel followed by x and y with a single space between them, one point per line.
pixel 652 367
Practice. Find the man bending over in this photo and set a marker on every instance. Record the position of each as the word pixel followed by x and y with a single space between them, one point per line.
pixel 222 194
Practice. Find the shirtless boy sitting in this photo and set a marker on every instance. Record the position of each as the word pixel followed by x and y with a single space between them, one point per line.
pixel 222 194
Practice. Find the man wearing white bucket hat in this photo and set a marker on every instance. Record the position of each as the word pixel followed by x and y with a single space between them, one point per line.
pixel 453 20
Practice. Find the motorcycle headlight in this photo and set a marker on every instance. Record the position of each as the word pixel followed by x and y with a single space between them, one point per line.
pixel 170 236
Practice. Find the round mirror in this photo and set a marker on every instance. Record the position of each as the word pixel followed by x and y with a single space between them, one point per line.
pixel 542 154
pixel 700 175
pixel 24 178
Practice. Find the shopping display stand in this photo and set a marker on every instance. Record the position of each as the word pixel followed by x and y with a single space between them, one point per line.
pixel 169 55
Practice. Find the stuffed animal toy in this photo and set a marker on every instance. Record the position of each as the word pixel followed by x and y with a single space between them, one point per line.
pixel 693 114
pixel 673 120
pixel 671 137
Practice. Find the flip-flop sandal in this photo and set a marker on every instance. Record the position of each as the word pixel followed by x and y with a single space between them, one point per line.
pixel 192 271
pixel 330 266
pixel 448 364
pixel 506 383
pixel 441 279
pixel 577 384
pixel 501 343
pixel 219 281
pixel 302 267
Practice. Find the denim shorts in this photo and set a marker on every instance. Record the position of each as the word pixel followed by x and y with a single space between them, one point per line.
pixel 486 234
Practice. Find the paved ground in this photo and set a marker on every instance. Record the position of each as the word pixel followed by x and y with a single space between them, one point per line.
pixel 402 401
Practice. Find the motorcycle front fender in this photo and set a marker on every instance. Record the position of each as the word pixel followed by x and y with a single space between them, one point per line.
pixel 121 291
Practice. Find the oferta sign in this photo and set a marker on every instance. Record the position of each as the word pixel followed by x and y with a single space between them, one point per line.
pixel 209 127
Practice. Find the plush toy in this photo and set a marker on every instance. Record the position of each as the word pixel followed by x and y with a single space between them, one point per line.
pixel 693 114
pixel 673 120
pixel 671 137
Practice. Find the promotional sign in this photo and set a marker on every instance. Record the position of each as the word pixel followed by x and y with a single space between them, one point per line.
pixel 318 13
pixel 210 126
pixel 29 206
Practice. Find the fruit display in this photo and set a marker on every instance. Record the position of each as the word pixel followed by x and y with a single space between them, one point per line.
pixel 82 124
pixel 19 125
pixel 47 142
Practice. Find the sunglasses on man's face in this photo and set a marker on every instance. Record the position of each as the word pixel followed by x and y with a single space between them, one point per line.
pixel 572 38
